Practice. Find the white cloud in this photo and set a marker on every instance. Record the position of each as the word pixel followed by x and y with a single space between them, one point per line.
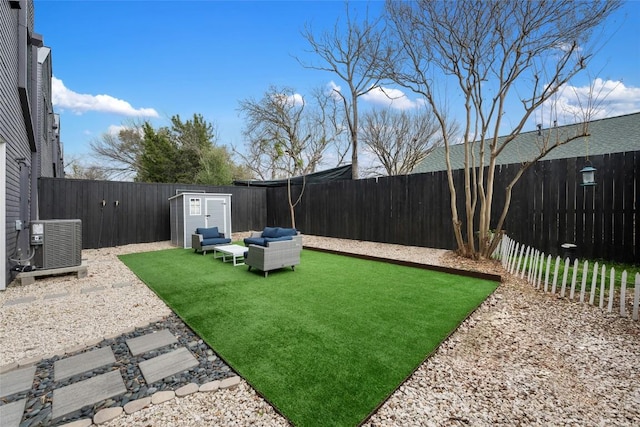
pixel 296 99
pixel 293 100
pixel 334 90
pixel 115 129
pixel 389 97
pixel 600 98
pixel 79 103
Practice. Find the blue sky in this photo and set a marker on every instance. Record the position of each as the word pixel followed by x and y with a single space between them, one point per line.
pixel 116 60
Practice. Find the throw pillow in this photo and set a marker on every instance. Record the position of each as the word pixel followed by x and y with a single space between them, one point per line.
pixel 270 232
pixel 208 233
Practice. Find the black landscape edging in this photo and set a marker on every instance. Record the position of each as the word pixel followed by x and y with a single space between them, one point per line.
pixel 459 272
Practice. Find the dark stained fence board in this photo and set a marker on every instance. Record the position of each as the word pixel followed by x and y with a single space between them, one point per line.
pixel 549 207
pixel 618 205
pixel 636 220
pixel 142 213
pixel 629 208
pixel 598 209
pixel 570 236
pixel 608 189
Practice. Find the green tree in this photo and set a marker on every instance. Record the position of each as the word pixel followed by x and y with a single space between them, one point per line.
pixel 193 140
pixel 218 168
pixel 157 160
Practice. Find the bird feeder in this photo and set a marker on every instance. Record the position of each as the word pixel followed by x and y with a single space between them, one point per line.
pixel 588 175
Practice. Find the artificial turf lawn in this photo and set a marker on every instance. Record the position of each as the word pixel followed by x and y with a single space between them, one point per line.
pixel 326 343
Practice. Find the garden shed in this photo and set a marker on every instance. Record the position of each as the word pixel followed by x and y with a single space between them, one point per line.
pixel 189 211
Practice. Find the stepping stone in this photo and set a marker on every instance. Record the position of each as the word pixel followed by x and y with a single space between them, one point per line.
pixel 52 296
pixel 121 285
pixel 75 396
pixel 89 290
pixel 11 413
pixel 22 300
pixel 151 341
pixel 16 381
pixel 167 364
pixel 65 368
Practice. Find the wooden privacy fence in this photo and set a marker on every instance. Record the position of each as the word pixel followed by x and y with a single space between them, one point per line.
pixel 586 283
pixel 120 213
pixel 549 207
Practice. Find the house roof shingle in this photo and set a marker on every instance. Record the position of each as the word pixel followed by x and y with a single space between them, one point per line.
pixel 610 135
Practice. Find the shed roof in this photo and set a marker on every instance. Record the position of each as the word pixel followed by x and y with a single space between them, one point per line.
pixel 335 174
pixel 611 135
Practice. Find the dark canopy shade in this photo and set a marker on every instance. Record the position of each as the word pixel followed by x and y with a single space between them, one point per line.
pixel 336 174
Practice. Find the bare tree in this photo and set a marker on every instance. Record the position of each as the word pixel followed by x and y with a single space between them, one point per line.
pixel 496 54
pixel 119 153
pixel 353 55
pixel 286 134
pixel 400 139
pixel 76 169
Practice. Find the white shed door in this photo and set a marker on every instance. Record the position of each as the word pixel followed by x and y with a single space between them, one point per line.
pixel 215 214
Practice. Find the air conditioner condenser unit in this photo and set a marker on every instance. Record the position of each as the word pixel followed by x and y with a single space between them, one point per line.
pixel 57 243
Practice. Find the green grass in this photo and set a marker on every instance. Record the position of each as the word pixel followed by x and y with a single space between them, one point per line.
pixel 325 344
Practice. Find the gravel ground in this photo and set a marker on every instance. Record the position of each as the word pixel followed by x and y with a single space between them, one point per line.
pixel 523 358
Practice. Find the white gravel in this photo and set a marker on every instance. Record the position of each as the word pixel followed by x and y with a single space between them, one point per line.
pixel 523 358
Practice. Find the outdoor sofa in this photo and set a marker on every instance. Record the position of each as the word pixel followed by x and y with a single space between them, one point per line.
pixel 205 239
pixel 273 248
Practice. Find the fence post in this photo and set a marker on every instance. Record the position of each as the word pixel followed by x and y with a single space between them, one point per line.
pixel 573 279
pixel 612 289
pixel 585 273
pixel 636 297
pixel 525 263
pixel 592 297
pixel 515 259
pixel 507 255
pixel 512 256
pixel 555 275
pixel 603 284
pixel 532 266
pixel 540 270
pixel 546 276
pixel 519 260
pixel 534 277
pixel 564 277
pixel 623 294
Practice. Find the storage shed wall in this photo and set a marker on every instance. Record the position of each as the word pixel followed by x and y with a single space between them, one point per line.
pixel 215 211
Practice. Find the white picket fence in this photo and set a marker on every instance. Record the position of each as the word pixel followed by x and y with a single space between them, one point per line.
pixel 525 261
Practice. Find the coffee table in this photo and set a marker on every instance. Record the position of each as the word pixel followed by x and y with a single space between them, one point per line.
pixel 233 253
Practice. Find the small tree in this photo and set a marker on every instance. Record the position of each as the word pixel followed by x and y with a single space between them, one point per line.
pixel 499 56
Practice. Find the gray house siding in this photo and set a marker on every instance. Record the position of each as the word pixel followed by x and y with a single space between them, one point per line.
pixel 26 127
